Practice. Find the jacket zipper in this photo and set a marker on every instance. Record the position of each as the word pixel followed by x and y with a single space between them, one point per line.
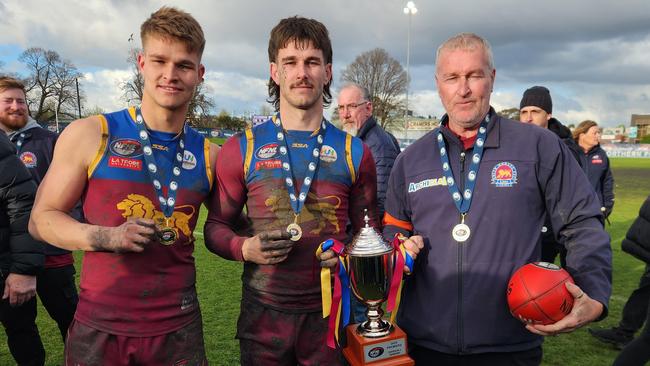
pixel 461 187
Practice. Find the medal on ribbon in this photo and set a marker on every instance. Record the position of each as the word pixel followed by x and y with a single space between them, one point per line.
pixel 167 235
pixel 297 202
pixel 461 231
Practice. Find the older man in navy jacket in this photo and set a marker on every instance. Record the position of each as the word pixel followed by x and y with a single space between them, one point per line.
pixel 477 226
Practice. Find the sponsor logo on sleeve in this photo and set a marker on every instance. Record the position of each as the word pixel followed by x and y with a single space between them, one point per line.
pixel 328 154
pixel 29 159
pixel 504 174
pixel 414 187
pixel 267 151
pixel 126 148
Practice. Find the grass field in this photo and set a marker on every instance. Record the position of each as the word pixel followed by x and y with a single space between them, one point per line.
pixel 219 289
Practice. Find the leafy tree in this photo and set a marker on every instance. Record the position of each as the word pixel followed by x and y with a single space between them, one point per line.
pixel 384 78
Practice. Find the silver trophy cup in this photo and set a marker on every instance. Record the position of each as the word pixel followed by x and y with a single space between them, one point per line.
pixel 370 267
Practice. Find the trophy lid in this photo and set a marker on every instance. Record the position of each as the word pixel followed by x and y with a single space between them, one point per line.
pixel 368 242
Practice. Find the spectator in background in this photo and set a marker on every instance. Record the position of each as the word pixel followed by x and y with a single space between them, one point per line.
pixel 595 163
pixel 21 259
pixel 536 107
pixel 35 147
pixel 637 243
pixel 355 111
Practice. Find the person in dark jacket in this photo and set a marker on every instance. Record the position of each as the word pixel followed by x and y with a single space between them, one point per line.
pixel 536 107
pixel 637 243
pixel 35 147
pixel 355 110
pixel 478 226
pixel 21 258
pixel 595 163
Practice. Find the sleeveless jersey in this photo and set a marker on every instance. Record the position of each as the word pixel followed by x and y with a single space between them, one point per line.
pixel 294 284
pixel 153 292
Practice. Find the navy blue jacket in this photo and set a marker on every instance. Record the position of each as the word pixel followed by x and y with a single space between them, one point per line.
pixel 384 149
pixel 36 153
pixel 637 238
pixel 455 301
pixel 595 164
pixel 19 252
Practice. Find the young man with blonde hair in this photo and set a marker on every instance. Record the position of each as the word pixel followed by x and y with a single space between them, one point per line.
pixel 142 174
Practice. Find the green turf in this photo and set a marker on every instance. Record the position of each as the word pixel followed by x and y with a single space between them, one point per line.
pixel 219 288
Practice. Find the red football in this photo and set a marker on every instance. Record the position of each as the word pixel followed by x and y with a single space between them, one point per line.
pixel 537 294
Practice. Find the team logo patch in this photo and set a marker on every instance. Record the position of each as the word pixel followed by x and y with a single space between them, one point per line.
pixel 596 159
pixel 504 174
pixel 414 187
pixel 124 163
pixel 126 148
pixel 327 154
pixel 189 160
pixel 267 151
pixel 268 164
pixel 29 159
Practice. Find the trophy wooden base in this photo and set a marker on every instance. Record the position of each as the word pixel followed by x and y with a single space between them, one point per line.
pixel 389 350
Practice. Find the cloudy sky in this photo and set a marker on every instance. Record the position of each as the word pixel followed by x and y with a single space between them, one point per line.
pixel 594 55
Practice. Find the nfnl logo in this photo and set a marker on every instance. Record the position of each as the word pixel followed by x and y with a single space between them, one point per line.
pixel 267 151
pixel 126 148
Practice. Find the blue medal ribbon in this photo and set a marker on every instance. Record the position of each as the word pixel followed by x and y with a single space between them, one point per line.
pixel 463 201
pixel 20 140
pixel 166 203
pixel 298 202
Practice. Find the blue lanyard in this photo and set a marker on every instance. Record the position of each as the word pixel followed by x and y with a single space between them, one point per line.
pixel 298 202
pixel 464 201
pixel 166 203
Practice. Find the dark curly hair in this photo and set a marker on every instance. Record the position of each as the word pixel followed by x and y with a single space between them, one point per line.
pixel 302 31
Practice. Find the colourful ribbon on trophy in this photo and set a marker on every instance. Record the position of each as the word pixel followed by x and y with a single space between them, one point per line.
pixel 402 258
pixel 339 302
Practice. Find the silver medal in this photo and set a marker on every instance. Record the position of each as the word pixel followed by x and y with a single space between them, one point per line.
pixel 460 233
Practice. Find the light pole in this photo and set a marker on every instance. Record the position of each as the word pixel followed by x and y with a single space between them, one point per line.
pixel 409 10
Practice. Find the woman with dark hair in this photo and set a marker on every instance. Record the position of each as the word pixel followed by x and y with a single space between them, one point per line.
pixel 594 161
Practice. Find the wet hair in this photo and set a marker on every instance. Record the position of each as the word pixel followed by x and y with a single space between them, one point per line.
pixel 7 82
pixel 174 24
pixel 303 32
pixel 583 127
pixel 467 41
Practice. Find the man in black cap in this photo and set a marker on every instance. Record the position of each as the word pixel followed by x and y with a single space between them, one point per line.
pixel 536 107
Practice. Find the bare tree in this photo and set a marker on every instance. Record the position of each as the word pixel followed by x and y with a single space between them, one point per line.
pixel 385 79
pixel 51 83
pixel 200 105
pixel 133 87
pixel 510 113
pixel 40 83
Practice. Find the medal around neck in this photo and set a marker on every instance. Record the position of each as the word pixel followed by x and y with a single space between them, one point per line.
pixel 295 231
pixel 297 202
pixel 167 235
pixel 461 233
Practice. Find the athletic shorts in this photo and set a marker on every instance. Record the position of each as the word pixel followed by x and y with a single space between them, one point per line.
pixel 270 337
pixel 87 346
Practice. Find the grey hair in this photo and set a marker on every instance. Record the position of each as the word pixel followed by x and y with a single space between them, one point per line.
pixel 365 93
pixel 467 41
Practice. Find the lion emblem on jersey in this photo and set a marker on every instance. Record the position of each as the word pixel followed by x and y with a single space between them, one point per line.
pixel 138 206
pixel 322 210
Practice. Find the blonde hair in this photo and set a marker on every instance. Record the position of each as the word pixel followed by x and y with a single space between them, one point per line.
pixel 583 127
pixel 172 23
